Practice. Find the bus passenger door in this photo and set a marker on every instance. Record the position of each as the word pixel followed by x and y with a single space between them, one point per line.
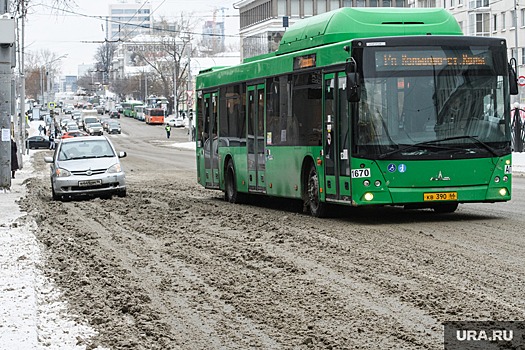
pixel 211 151
pixel 256 141
pixel 336 149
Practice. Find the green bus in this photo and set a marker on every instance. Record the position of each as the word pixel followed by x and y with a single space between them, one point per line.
pixel 362 107
pixel 128 108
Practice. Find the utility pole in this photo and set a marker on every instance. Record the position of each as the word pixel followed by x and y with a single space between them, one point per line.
pixel 7 62
pixel 22 119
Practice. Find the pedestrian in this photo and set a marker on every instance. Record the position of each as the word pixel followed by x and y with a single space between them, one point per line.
pixel 14 158
pixel 40 129
pixel 51 141
pixel 168 130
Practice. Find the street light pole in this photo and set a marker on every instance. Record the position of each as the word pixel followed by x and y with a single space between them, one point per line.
pixel 48 82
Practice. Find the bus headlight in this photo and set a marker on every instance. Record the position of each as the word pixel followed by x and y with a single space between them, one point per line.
pixel 503 192
pixel 368 196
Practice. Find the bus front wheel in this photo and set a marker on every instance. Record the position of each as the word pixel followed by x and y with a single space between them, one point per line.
pixel 312 200
pixel 230 191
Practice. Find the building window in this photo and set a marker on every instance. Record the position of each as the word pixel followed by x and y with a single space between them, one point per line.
pixel 281 8
pixel 308 8
pixel 522 17
pixel 461 26
pixel 373 3
pixel 460 3
pixel 480 24
pixel 360 3
pixel 474 4
pixel 513 19
pixel 522 56
pixel 294 9
pixel 503 21
pixel 321 6
pixel 334 4
pixel 494 23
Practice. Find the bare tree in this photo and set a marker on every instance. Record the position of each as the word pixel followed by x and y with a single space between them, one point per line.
pixel 168 58
pixel 40 66
pixel 103 59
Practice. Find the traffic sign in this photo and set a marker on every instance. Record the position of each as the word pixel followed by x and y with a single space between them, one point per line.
pixel 521 80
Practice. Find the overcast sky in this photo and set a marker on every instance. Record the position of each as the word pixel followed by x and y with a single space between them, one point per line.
pixel 73 32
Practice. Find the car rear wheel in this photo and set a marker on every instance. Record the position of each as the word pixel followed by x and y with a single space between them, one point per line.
pixel 122 193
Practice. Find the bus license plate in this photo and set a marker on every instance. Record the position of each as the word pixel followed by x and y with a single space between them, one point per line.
pixel 86 183
pixel 441 196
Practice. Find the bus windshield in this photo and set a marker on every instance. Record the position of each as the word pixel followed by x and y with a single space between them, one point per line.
pixel 432 102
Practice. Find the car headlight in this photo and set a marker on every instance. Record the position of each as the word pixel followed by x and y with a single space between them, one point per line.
pixel 59 172
pixel 115 168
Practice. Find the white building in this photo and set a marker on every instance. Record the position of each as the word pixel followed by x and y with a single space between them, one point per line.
pixel 128 19
pixel 502 19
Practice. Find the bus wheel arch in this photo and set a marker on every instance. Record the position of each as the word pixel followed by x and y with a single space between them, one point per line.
pixel 310 190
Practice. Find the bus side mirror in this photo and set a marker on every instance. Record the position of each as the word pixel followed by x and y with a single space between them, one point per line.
pixel 513 77
pixel 353 90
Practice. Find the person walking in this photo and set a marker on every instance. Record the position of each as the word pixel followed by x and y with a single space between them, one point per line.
pixel 168 130
pixel 14 158
pixel 51 141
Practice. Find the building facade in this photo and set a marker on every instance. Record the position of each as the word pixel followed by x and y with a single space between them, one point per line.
pixel 128 19
pixel 263 22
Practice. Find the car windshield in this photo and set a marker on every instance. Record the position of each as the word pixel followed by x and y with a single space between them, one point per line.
pixel 85 149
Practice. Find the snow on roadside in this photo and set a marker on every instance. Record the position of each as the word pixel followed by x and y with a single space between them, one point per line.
pixel 33 315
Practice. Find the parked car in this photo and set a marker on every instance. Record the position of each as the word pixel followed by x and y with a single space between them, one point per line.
pixel 37 141
pixel 113 127
pixel 86 166
pixel 94 129
pixel 175 121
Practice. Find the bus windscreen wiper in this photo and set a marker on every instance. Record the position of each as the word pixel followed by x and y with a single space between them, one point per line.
pixel 416 145
pixel 429 144
pixel 473 138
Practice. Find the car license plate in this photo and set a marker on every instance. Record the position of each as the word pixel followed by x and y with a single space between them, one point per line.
pixel 440 196
pixel 86 183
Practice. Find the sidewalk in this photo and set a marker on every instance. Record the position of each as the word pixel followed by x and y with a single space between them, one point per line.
pixel 32 316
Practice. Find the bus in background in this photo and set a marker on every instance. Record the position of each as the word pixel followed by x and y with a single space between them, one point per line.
pixel 127 108
pixel 362 107
pixel 138 112
pixel 157 102
pixel 154 115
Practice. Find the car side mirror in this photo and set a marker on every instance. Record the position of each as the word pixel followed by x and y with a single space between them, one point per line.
pixel 48 159
pixel 122 154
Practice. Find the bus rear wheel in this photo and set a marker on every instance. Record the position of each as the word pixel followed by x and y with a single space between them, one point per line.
pixel 230 191
pixel 312 200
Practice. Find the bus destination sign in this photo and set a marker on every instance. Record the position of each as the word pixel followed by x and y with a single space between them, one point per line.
pixel 424 59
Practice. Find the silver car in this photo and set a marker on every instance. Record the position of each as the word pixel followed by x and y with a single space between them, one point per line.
pixel 87 165
pixel 94 129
